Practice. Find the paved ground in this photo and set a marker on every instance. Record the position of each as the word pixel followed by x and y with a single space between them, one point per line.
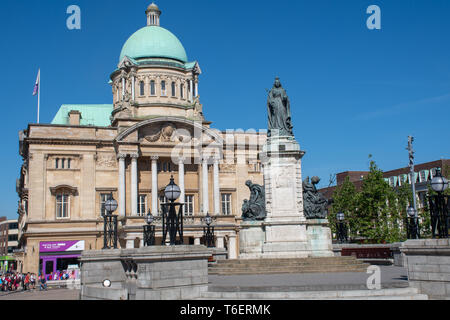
pixel 50 294
pixel 390 277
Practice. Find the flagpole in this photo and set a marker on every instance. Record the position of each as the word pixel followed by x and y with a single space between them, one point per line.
pixel 39 95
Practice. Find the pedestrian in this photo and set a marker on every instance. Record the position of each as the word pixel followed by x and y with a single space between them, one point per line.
pixel 43 285
pixel 33 281
pixel 27 281
pixel 23 282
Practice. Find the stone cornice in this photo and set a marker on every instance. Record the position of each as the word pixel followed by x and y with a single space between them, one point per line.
pixel 60 141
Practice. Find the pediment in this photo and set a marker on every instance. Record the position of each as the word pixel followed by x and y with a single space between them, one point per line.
pixel 126 62
pixel 170 130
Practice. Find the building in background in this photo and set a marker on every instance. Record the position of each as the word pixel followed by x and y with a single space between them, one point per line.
pixel 424 172
pixel 8 243
pixel 154 129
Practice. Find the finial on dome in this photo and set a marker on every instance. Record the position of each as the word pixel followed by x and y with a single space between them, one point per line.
pixel 153 13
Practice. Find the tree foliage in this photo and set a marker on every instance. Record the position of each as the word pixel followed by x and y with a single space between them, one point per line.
pixel 376 213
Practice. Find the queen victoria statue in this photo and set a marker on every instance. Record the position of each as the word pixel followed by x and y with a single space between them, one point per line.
pixel 279 111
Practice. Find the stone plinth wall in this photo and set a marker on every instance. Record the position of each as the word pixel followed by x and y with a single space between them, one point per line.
pixel 315 233
pixel 428 265
pixel 149 273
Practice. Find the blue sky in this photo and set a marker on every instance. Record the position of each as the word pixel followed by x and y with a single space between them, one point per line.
pixel 353 91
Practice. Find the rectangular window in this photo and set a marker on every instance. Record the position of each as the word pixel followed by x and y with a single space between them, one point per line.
pixel 189 205
pixel 56 163
pixel 182 91
pixel 68 163
pixel 103 198
pixel 226 204
pixel 162 199
pixel 174 93
pixel 152 88
pixel 142 205
pixel 142 88
pixel 163 88
pixel 62 205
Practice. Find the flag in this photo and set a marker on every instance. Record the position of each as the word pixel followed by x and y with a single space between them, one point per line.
pixel 36 86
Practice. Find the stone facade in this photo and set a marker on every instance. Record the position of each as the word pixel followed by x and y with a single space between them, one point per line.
pixel 70 169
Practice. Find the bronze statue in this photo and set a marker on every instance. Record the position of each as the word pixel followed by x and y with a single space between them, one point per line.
pixel 279 110
pixel 255 208
pixel 314 203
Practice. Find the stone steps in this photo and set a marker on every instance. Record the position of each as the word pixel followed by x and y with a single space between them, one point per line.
pixel 278 266
pixel 408 293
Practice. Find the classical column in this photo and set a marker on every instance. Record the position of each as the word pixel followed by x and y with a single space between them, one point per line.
pixel 232 250
pixel 216 186
pixel 196 88
pixel 134 184
pixel 196 241
pixel 133 83
pixel 121 200
pixel 219 242
pixel 191 91
pixel 123 88
pixel 181 179
pixel 155 185
pixel 205 195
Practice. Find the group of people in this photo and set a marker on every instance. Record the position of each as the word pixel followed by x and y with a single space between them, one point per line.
pixel 15 281
pixel 62 275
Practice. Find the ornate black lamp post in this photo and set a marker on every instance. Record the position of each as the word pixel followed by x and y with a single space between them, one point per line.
pixel 149 230
pixel 208 232
pixel 110 224
pixel 439 206
pixel 172 222
pixel 413 224
pixel 341 228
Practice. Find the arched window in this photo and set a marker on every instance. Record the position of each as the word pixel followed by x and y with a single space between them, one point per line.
pixel 142 88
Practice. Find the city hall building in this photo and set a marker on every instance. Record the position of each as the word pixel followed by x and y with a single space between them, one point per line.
pixel 153 130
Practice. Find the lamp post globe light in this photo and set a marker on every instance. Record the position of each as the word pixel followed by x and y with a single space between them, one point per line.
pixel 208 232
pixel 439 206
pixel 341 227
pixel 413 223
pixel 172 222
pixel 149 230
pixel 110 224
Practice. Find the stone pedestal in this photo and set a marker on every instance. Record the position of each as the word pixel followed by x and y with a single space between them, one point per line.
pixel 285 233
pixel 319 238
pixel 285 224
pixel 251 239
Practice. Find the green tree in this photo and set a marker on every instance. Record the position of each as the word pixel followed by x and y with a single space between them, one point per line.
pixel 381 209
pixel 345 199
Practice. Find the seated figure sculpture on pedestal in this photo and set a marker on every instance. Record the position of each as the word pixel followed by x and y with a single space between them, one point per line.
pixel 255 208
pixel 314 203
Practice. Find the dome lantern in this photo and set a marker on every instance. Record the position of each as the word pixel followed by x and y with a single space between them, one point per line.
pixel 153 13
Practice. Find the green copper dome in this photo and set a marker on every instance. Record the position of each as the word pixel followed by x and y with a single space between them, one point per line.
pixel 154 42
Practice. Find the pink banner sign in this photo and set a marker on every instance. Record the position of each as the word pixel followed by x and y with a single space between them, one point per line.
pixel 61 246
